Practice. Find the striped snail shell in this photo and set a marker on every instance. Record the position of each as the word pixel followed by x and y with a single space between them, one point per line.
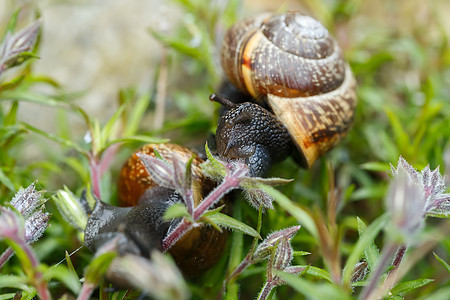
pixel 292 60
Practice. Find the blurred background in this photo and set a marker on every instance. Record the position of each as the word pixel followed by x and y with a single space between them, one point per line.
pixel 100 46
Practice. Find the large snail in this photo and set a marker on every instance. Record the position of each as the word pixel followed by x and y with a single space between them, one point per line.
pixel 140 225
pixel 293 63
pixel 289 60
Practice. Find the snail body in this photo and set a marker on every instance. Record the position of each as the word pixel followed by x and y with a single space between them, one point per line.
pixel 291 62
pixel 139 221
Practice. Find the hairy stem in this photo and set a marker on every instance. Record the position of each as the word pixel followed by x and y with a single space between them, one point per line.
pixel 228 184
pixel 266 289
pixel 240 268
pixel 369 290
pixel 392 274
pixel 170 240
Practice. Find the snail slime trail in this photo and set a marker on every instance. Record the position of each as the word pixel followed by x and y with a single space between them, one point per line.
pixel 291 61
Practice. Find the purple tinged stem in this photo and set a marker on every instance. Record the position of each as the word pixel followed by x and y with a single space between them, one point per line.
pixel 86 291
pixel 95 176
pixel 398 258
pixel 6 255
pixel 266 289
pixel 170 240
pixel 226 186
pixel 231 181
pixel 369 289
pixel 240 268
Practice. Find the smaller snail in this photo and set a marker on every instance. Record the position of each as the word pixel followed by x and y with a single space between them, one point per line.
pixel 291 64
pixel 140 227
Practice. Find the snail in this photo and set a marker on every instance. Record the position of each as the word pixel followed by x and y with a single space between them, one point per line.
pixel 138 222
pixel 292 65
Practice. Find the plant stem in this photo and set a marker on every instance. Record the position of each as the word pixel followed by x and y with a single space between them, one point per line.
pixel 369 290
pixel 239 269
pixel 107 157
pixel 31 267
pixel 392 274
pixel 228 184
pixel 170 240
pixel 86 291
pixel 266 289
pixel 6 255
pixel 95 176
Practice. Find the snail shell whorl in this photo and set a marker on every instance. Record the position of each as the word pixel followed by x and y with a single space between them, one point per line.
pixel 317 123
pixel 293 60
pixel 134 179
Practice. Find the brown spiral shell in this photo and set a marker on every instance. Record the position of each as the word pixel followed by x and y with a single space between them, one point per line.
pixel 293 60
pixel 201 247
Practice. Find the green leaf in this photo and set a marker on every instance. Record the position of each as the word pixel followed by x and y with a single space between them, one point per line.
pixel 300 253
pixel 438 214
pixel 8 133
pixel 443 262
pixel 55 138
pixel 213 211
pixel 302 216
pixel 188 172
pixel 408 286
pixel 136 114
pixel 6 181
pixel 212 167
pixel 7 296
pixel 401 137
pixel 98 266
pixel 179 45
pixel 10 118
pixel 106 132
pixel 20 59
pixel 177 210
pixel 12 84
pixel 69 262
pixel 376 166
pixel 273 181
pixel 317 272
pixel 313 290
pixel 79 166
pixel 440 294
pixel 64 275
pixel 13 281
pixel 364 242
pixel 231 223
pixel 27 96
pixel 138 138
pixel 95 131
pixel 371 253
pixel 12 23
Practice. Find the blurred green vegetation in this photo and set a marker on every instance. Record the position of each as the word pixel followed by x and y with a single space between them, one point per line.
pixel 399 53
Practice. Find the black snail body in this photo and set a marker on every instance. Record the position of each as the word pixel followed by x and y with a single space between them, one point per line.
pixel 138 223
pixel 291 62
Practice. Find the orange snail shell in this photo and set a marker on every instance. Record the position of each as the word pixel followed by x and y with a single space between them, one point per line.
pixel 201 247
pixel 293 60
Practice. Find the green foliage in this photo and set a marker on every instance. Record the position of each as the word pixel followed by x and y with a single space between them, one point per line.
pixel 404 109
